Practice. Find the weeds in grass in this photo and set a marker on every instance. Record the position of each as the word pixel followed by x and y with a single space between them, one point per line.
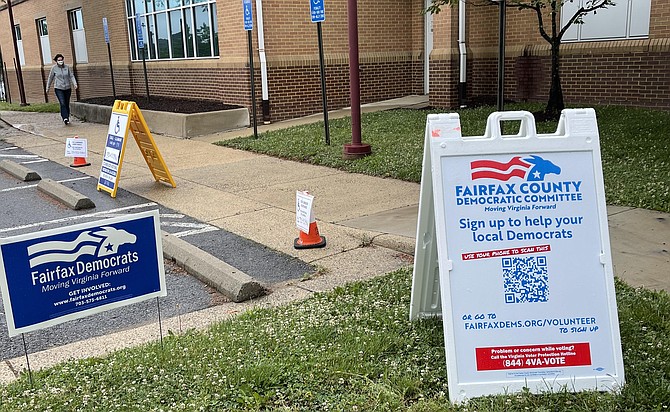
pixel 352 349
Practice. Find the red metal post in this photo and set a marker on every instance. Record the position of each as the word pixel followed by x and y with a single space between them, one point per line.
pixel 355 149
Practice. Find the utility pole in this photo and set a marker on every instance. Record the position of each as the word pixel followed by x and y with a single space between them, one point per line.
pixel 356 149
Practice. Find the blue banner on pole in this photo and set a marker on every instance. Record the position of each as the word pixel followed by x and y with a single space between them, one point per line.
pixel 318 10
pixel 248 15
pixel 58 275
pixel 105 29
pixel 140 34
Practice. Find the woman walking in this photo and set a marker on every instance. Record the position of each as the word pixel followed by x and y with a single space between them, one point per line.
pixel 63 80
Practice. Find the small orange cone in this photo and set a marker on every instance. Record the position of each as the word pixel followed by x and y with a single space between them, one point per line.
pixel 79 161
pixel 310 240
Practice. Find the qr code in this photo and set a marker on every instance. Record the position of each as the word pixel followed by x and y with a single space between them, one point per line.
pixel 525 279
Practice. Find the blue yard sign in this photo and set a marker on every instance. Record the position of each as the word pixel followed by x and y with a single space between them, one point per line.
pixel 248 15
pixel 138 27
pixel 57 275
pixel 318 11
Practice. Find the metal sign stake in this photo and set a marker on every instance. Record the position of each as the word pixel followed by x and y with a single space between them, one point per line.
pixel 160 324
pixel 253 85
pixel 25 349
pixel 323 84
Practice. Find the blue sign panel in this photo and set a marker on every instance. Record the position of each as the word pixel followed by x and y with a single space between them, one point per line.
pixel 140 34
pixel 105 29
pixel 58 275
pixel 318 11
pixel 248 15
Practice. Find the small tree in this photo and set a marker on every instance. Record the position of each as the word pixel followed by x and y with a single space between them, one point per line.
pixel 555 104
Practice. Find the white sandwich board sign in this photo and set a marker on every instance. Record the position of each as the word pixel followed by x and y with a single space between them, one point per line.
pixel 513 252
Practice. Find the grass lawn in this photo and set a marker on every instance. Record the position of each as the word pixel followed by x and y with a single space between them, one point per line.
pixel 635 147
pixel 32 107
pixel 354 349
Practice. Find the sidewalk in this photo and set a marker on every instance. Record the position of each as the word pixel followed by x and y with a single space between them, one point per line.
pixel 369 222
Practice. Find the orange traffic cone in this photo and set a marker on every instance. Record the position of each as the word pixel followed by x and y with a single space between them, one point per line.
pixel 310 240
pixel 79 161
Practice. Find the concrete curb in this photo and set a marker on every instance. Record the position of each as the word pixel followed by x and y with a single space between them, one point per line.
pixel 19 171
pixel 69 197
pixel 230 281
pixel 398 243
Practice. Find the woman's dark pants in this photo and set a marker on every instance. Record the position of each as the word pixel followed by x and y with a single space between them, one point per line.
pixel 64 100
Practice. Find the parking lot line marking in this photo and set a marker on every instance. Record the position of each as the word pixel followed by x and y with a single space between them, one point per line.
pixel 11 189
pixel 79 217
pixel 185 224
pixel 19 156
pixel 161 215
pixel 195 231
pixel 35 161
pixel 9 148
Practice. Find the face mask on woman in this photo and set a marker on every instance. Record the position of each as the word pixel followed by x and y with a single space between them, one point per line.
pixel 60 62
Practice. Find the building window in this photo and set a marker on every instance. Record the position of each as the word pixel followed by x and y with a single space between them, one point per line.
pixel 45 46
pixel 19 45
pixel 628 19
pixel 174 29
pixel 78 36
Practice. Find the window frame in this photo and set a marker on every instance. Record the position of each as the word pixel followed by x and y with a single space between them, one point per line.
pixel 19 44
pixel 186 9
pixel 76 22
pixel 574 33
pixel 42 33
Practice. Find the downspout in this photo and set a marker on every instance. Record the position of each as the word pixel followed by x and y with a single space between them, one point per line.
pixel 462 81
pixel 264 64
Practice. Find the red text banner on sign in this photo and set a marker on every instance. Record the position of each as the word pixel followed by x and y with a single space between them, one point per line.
pixel 533 356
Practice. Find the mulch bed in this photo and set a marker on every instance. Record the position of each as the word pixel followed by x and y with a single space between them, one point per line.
pixel 165 104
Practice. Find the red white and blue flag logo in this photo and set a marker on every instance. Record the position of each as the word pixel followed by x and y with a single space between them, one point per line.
pixel 532 168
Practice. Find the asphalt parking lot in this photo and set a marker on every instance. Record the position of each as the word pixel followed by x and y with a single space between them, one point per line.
pixel 25 209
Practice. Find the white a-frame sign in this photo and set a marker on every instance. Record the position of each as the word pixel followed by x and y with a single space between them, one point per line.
pixel 512 250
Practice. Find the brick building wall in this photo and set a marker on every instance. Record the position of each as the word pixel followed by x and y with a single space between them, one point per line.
pixel 626 72
pixel 391 48
pixel 444 59
pixel 390 53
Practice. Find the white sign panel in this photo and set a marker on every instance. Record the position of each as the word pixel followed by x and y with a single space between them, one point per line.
pixel 525 271
pixel 303 210
pixel 116 133
pixel 75 147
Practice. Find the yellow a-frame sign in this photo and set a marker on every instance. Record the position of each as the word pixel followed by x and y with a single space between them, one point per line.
pixel 127 116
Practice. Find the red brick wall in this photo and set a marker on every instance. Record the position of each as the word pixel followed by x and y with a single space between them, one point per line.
pixel 659 24
pixel 444 66
pixel 390 45
pixel 296 90
pixel 391 56
pixel 630 72
pixel 444 81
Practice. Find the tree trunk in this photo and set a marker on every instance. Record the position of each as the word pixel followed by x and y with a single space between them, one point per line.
pixel 555 104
